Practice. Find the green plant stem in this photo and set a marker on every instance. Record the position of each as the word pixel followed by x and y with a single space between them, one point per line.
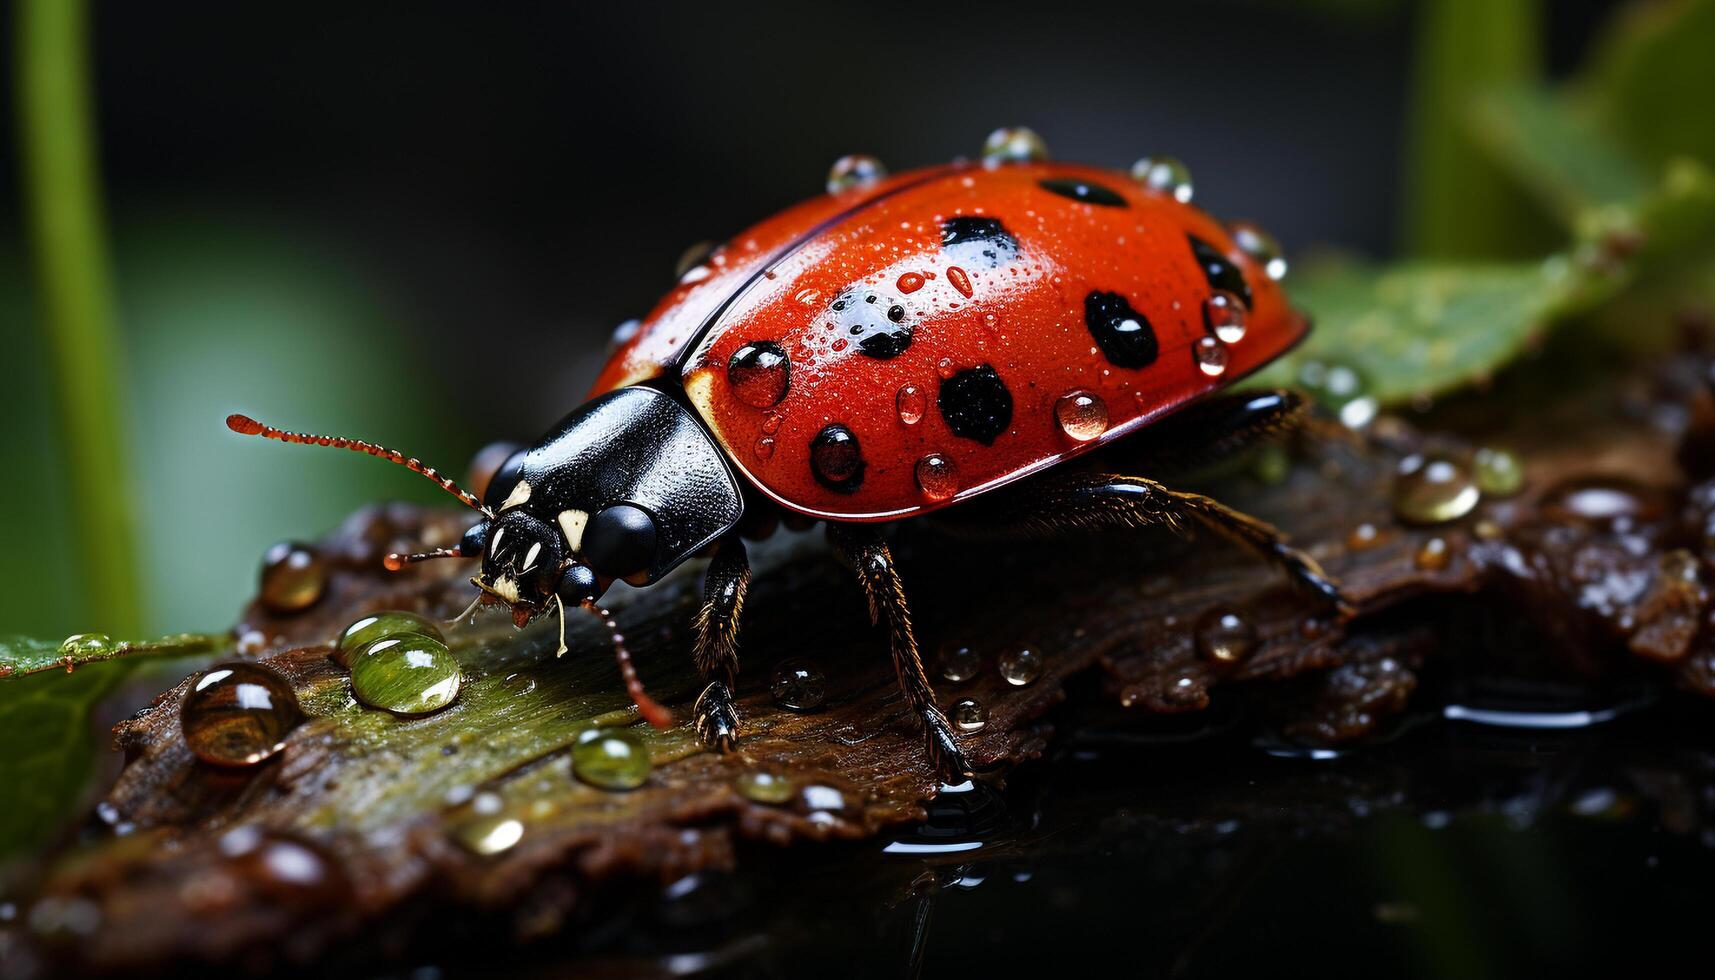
pixel 1459 204
pixel 70 265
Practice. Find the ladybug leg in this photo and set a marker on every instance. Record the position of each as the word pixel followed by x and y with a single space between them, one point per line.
pixel 724 586
pixel 1082 501
pixel 870 557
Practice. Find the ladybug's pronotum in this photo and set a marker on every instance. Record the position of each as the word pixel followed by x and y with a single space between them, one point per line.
pixel 894 348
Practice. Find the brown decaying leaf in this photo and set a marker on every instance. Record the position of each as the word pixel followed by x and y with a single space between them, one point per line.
pixel 364 815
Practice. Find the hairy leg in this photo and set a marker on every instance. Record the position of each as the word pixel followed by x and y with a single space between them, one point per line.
pixel 716 625
pixel 870 557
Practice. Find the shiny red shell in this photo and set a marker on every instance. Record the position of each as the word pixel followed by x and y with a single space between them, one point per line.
pixel 1025 316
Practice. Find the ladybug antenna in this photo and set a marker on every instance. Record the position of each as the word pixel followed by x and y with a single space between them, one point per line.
pixel 244 425
pixel 648 707
pixel 395 561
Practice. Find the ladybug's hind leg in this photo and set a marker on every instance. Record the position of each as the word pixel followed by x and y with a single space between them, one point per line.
pixel 1086 501
pixel 870 557
pixel 724 587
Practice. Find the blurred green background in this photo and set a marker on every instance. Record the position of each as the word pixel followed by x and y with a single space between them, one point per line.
pixel 416 223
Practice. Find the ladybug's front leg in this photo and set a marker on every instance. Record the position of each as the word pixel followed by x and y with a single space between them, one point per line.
pixel 870 558
pixel 724 586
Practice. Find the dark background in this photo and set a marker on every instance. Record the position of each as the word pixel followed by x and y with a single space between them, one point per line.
pixel 417 222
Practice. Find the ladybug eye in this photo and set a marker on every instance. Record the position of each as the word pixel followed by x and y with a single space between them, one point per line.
pixel 1221 271
pixel 620 540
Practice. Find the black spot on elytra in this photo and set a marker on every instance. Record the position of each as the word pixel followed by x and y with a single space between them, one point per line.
pixel 975 240
pixel 836 459
pixel 1083 191
pixel 976 404
pixel 1123 334
pixel 878 322
pixel 1221 271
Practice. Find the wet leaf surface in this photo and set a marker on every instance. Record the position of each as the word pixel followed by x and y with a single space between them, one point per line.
pixel 367 820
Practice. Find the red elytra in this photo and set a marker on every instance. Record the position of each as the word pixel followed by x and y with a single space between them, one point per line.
pixel 965 276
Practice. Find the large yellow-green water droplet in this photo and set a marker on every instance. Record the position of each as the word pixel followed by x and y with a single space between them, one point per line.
pixel 611 758
pixel 407 674
pixel 1013 144
pixel 294 576
pixel 1498 473
pixel 379 626
pixel 1433 490
pixel 762 786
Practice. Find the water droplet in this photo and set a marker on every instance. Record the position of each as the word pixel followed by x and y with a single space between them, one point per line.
pixel 1225 636
pixel 1224 316
pixel 958 664
pixel 912 402
pixel 970 715
pixel 490 835
pixel 1165 175
pixel 1342 389
pixel 407 674
pixel 1363 536
pixel 1433 490
pixel 1498 473
pixel 762 786
pixel 691 259
pixel 1211 356
pixel 1602 500
pixel 1013 144
pixel 910 282
pixel 765 447
pixel 622 335
pixel 293 577
pixel 374 627
pixel 1261 246
pixel 820 798
pixel 853 171
pixel 281 866
pixel 1432 555
pixel 611 758
pixel 759 373
pixel 799 685
pixel 87 646
pixel 836 459
pixel 1082 415
pixel 238 714
pixel 937 476
pixel 1021 667
pixel 960 281
pixel 944 367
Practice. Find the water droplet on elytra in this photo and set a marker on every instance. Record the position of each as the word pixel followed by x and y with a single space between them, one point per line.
pixel 1224 316
pixel 1225 636
pixel 798 685
pixel 937 476
pixel 407 674
pixel 611 758
pixel 1021 667
pixel 958 664
pixel 853 171
pixel 910 282
pixel 765 447
pixel 911 402
pixel 294 576
pixel 1433 490
pixel 1082 415
pixel 379 625
pixel 969 715
pixel 1165 175
pixel 1260 246
pixel 760 373
pixel 238 714
pixel 1013 144
pixel 1211 356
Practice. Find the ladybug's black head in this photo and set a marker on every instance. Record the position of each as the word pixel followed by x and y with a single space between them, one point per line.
pixel 523 559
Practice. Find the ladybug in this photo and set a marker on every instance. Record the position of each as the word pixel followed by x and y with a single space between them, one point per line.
pixel 941 342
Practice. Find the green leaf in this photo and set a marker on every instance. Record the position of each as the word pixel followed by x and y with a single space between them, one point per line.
pixel 1652 81
pixel 1557 152
pixel 1460 204
pixel 47 745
